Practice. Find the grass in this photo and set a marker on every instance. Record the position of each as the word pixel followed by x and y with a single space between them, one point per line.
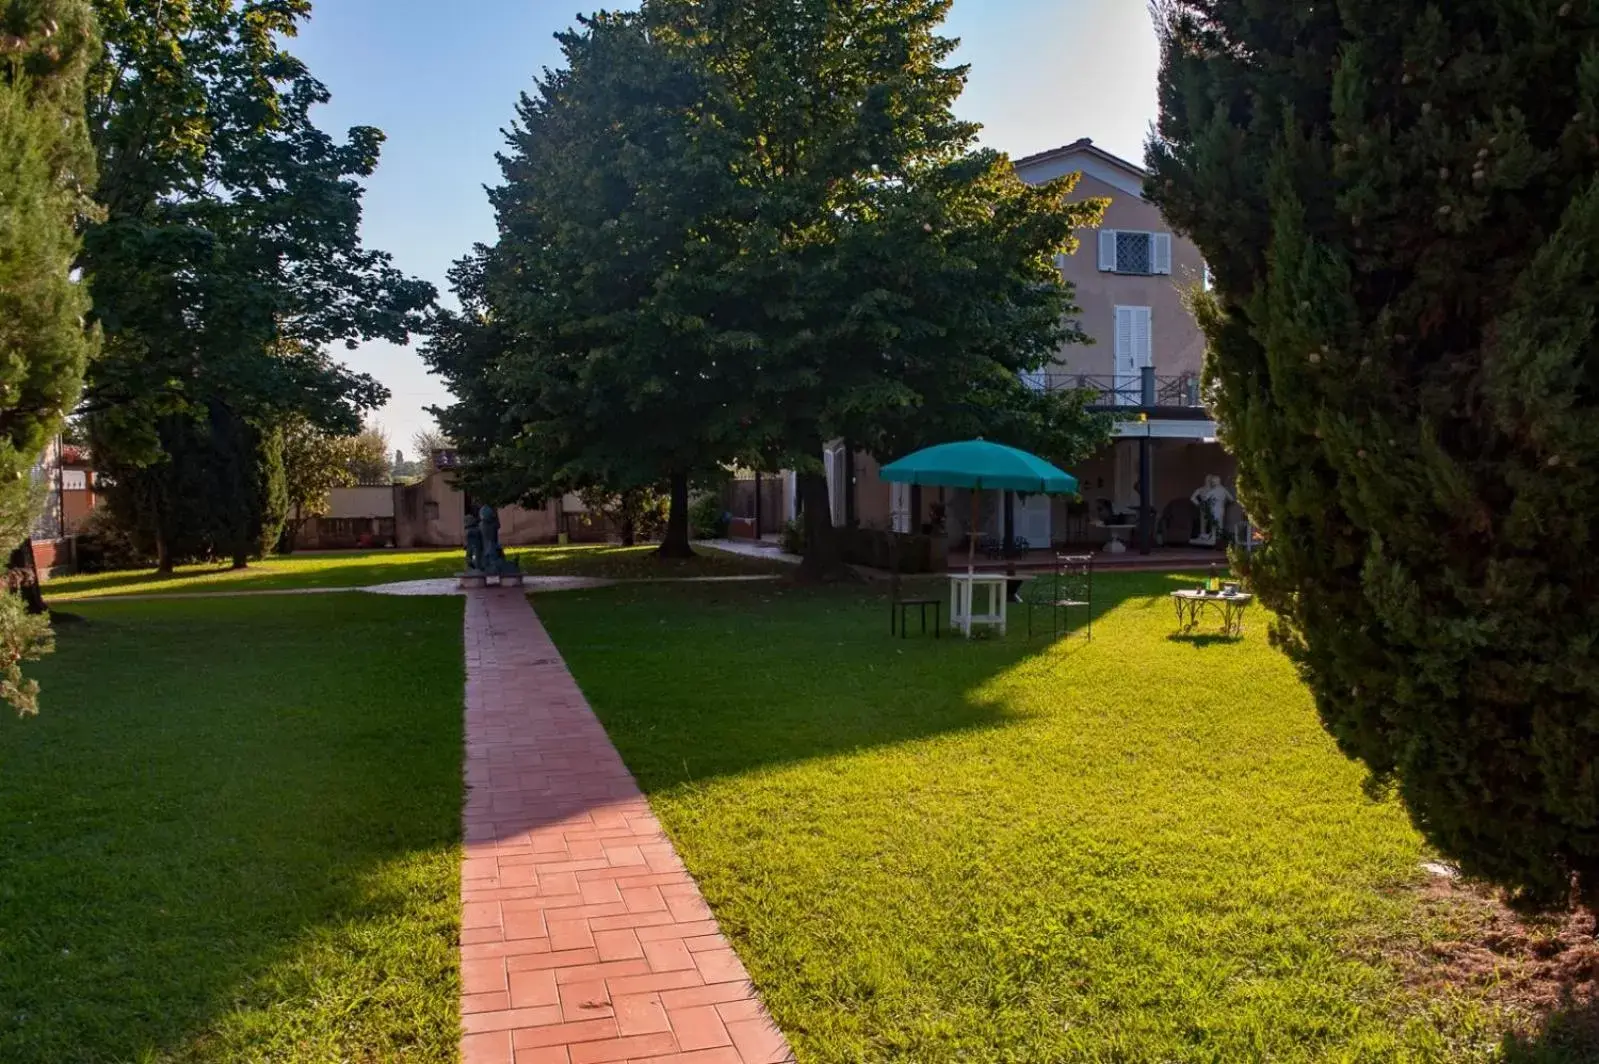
pixel 346 569
pixel 1140 848
pixel 232 835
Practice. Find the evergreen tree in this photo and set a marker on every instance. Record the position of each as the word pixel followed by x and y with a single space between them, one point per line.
pixel 230 258
pixel 46 172
pixel 1399 203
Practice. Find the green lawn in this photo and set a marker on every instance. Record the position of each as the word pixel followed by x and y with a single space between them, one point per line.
pixel 1141 848
pixel 364 568
pixel 232 834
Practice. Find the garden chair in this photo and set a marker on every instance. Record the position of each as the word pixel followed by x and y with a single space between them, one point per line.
pixel 899 606
pixel 1069 587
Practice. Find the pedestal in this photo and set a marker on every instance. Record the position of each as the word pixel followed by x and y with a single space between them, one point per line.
pixel 472 580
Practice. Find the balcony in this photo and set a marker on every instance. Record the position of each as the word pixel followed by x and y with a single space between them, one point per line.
pixel 1146 391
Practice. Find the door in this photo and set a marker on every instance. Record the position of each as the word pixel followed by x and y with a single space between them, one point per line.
pixel 1032 520
pixel 899 507
pixel 1134 351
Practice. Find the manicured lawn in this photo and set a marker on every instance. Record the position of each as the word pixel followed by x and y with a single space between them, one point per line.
pixel 1136 849
pixel 232 834
pixel 364 568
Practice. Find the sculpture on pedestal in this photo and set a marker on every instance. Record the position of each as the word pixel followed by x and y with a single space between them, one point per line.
pixel 493 559
pixel 474 544
pixel 1212 500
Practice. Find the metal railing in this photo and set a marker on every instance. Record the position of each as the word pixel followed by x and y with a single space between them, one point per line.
pixel 1147 389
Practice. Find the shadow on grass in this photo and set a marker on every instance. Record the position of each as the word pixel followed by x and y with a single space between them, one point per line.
pixel 1566 1035
pixel 755 676
pixel 231 834
pixel 1204 639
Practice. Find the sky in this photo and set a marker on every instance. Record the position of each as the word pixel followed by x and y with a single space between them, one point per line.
pixel 442 81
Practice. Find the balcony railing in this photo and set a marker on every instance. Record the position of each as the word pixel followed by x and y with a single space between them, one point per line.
pixel 1146 389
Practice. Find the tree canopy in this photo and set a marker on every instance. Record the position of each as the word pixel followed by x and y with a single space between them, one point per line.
pixel 1399 203
pixel 733 232
pixel 229 259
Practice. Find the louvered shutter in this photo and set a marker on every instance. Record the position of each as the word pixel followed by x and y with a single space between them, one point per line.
pixel 1107 250
pixel 1160 253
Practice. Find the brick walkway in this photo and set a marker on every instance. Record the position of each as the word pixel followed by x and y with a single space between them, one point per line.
pixel 583 938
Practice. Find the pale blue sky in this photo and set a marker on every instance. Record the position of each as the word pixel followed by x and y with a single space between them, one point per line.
pixel 441 81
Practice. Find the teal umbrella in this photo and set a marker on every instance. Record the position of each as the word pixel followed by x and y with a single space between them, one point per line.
pixel 979 465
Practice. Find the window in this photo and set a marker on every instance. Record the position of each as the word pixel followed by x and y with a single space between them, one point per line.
pixel 1036 379
pixel 1134 252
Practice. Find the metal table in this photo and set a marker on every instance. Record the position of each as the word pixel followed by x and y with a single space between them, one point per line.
pixel 1190 604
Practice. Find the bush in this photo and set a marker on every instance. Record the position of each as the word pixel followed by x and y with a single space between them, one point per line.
pixel 873 547
pixel 103 545
pixel 707 518
pixel 792 538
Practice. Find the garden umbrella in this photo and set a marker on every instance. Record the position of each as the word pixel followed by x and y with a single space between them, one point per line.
pixel 979 465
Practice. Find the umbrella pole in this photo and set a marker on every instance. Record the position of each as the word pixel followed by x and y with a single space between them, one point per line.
pixel 971 539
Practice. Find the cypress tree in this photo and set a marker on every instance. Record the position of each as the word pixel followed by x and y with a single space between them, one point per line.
pixel 46 170
pixel 1399 203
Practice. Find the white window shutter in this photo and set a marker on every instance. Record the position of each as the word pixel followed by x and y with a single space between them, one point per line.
pixel 1124 338
pixel 1143 338
pixel 1160 253
pixel 1107 250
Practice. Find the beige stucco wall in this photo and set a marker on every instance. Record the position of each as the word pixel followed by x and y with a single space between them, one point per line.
pixel 363 501
pixel 433 514
pixel 1178 345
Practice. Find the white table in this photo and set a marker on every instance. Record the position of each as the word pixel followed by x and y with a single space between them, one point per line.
pixel 962 591
pixel 1115 546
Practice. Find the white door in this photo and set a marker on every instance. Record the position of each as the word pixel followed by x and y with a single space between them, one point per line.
pixel 1032 520
pixel 899 507
pixel 1134 351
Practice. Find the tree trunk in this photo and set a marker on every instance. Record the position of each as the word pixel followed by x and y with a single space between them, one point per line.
pixel 24 577
pixel 823 561
pixel 676 544
pixel 629 518
pixel 241 558
pixel 163 554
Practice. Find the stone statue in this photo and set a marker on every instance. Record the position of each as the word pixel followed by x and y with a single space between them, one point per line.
pixel 474 543
pixel 1212 500
pixel 490 556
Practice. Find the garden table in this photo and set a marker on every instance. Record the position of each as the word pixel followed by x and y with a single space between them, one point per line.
pixel 962 600
pixel 1190 604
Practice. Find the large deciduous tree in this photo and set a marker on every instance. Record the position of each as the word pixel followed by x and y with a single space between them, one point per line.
pixel 229 259
pixel 46 176
pixel 734 232
pixel 889 281
pixel 1399 203
pixel 581 358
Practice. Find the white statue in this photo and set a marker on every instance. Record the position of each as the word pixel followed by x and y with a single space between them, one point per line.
pixel 1212 500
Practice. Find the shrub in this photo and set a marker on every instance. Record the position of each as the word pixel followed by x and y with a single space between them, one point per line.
pixel 104 545
pixel 792 538
pixel 707 517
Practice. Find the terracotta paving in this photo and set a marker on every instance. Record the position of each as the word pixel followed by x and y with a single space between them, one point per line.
pixel 583 937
